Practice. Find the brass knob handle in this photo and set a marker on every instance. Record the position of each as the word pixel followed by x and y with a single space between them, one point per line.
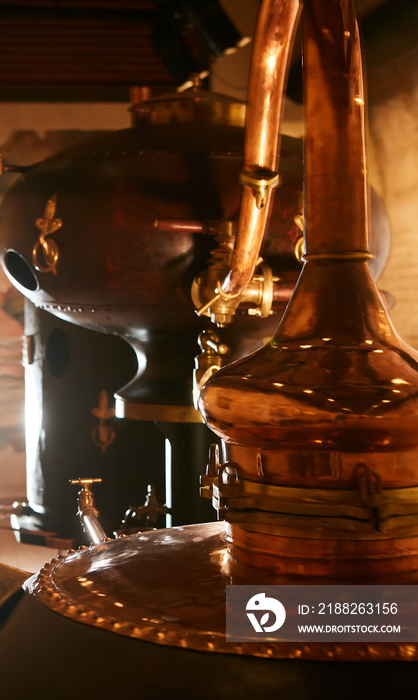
pixel 85 482
pixel 85 495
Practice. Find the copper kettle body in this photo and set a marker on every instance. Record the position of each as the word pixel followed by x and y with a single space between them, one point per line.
pixel 85 246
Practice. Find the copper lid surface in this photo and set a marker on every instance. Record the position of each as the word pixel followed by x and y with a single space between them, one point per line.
pixel 168 587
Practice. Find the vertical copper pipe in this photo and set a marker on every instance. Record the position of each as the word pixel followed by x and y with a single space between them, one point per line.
pixel 335 208
pixel 272 45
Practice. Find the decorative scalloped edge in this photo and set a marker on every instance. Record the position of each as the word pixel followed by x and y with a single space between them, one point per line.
pixel 43 588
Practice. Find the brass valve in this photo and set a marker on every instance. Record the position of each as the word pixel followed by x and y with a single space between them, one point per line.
pixel 145 516
pixel 85 495
pixel 220 482
pixel 207 294
pixel 207 362
pixel 87 511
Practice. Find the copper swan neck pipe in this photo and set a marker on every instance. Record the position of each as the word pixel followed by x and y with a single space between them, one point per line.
pixel 335 171
pixel 273 42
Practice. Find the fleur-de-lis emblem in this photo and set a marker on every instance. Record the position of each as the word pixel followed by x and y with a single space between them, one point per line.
pixel 45 252
pixel 103 434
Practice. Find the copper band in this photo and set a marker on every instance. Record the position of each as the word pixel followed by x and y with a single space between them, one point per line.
pixel 156 412
pixel 351 255
pixel 328 558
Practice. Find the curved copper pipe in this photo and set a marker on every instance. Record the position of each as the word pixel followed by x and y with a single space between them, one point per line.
pixel 272 45
pixel 334 144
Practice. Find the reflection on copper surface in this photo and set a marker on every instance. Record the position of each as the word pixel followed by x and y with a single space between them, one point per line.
pixel 175 596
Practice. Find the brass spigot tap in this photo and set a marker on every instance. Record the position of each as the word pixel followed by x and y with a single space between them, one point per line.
pixel 207 293
pixel 87 512
pixel 146 514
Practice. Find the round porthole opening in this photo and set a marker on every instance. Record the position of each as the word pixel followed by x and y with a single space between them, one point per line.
pixel 20 270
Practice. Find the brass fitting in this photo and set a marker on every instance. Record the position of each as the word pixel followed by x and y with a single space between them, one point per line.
pixel 207 362
pixel 207 294
pixel 87 512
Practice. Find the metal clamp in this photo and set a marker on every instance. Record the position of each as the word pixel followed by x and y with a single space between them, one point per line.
pixel 371 493
pixel 228 485
pixel 261 182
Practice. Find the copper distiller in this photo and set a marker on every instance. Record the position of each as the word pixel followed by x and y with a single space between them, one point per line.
pixel 316 480
pixel 129 233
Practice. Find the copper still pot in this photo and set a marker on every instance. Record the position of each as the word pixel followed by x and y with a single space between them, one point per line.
pixel 114 231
